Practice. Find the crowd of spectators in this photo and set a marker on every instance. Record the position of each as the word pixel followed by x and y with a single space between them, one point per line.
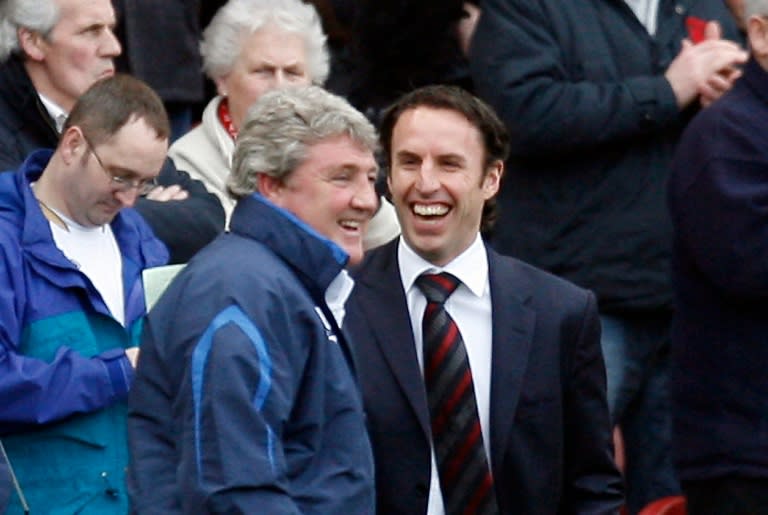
pixel 613 144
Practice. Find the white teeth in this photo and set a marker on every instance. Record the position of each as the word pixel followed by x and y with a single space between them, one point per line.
pixel 430 209
pixel 350 224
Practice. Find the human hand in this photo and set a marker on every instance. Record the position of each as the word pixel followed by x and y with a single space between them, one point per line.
pixel 720 82
pixel 695 68
pixel 133 355
pixel 717 85
pixel 166 193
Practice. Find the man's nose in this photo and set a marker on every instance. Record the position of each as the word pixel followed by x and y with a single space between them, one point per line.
pixel 111 46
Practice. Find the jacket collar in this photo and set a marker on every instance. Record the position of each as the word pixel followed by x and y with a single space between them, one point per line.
pixel 756 79
pixel 20 96
pixel 138 246
pixel 315 259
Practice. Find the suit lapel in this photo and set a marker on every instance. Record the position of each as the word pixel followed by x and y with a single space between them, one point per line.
pixel 513 325
pixel 385 307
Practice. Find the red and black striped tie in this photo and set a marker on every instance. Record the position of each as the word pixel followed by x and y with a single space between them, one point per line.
pixel 465 477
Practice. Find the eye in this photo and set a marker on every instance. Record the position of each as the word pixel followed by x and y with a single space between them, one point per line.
pixel 342 177
pixel 262 70
pixel 94 30
pixel 452 164
pixel 408 162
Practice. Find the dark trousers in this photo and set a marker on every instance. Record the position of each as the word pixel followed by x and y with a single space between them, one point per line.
pixel 727 496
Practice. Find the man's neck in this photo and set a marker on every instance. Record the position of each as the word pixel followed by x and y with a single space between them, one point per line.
pixel 44 86
pixel 45 192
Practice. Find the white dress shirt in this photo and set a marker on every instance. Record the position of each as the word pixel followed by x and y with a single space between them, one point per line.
pixel 58 114
pixel 647 11
pixel 470 308
pixel 337 293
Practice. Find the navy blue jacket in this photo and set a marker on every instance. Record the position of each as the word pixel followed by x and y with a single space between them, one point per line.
pixel 184 226
pixel 593 126
pixel 718 196
pixel 244 399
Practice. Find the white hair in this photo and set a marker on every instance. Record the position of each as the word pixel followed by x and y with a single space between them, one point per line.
pixel 223 38
pixel 36 15
pixel 754 7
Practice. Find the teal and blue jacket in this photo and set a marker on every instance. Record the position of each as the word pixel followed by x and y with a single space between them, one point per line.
pixel 64 375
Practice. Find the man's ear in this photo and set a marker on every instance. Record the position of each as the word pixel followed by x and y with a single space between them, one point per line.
pixel 72 144
pixel 492 179
pixel 757 32
pixel 32 43
pixel 269 187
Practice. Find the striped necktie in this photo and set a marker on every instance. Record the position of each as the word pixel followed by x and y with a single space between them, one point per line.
pixel 465 477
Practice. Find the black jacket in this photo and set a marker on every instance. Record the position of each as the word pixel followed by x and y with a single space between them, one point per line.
pixel 593 125
pixel 184 226
pixel 160 46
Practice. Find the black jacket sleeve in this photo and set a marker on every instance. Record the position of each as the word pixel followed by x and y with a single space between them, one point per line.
pixel 529 65
pixel 185 226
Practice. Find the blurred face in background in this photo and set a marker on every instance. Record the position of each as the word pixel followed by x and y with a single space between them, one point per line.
pixel 269 58
pixel 78 51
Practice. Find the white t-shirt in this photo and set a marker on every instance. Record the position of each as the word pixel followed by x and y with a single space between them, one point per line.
pixel 94 251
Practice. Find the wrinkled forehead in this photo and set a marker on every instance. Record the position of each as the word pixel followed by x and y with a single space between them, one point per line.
pixel 85 12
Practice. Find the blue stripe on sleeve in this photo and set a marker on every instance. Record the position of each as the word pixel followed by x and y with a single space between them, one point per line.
pixel 234 315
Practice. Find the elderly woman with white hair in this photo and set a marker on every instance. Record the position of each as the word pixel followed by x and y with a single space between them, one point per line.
pixel 249 48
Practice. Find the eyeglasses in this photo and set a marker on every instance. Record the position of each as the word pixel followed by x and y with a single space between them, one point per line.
pixel 142 186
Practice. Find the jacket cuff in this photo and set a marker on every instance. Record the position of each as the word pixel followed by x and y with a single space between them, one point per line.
pixel 119 370
pixel 655 100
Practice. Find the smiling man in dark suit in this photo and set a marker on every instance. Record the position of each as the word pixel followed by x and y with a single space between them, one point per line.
pixel 499 405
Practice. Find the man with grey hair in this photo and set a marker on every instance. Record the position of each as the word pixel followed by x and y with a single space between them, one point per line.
pixel 245 399
pixel 718 193
pixel 51 51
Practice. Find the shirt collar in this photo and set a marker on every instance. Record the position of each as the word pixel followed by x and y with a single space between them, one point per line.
pixel 58 114
pixel 337 293
pixel 470 267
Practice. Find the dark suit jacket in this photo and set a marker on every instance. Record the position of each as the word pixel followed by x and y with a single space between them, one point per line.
pixel 550 432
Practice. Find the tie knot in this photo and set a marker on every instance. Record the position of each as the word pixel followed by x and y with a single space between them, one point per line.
pixel 437 287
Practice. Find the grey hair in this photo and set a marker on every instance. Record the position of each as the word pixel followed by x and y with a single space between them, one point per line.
pixel 37 15
pixel 754 7
pixel 223 37
pixel 282 125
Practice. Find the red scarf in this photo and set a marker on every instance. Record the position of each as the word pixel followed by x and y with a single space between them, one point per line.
pixel 226 119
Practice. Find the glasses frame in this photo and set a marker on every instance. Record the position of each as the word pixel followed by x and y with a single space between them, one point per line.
pixel 123 184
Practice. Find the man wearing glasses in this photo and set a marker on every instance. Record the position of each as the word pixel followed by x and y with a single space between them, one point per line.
pixel 51 51
pixel 71 298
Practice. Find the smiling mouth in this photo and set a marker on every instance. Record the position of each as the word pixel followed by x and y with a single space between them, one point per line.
pixel 351 225
pixel 430 210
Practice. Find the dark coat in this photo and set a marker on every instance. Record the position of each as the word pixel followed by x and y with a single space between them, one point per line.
pixel 184 226
pixel 719 203
pixel 550 432
pixel 593 126
pixel 161 46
